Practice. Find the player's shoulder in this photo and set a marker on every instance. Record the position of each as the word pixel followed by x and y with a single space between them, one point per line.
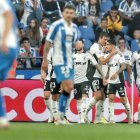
pixel 57 23
pixel 94 47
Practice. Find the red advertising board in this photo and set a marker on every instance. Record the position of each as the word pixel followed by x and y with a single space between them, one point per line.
pixel 24 102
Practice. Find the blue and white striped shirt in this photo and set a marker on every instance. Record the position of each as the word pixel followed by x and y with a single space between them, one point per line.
pixel 130 11
pixel 63 37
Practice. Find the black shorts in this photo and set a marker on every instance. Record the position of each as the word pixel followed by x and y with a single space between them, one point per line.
pixel 113 88
pixel 105 90
pixel 47 85
pixel 54 86
pixel 96 84
pixel 81 88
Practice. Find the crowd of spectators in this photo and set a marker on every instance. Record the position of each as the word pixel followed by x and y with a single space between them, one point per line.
pixel 120 18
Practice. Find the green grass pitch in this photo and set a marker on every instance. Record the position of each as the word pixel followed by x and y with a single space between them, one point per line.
pixel 44 131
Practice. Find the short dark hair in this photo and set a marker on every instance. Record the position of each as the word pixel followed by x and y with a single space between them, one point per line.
pixel 104 18
pixel 82 40
pixel 121 38
pixel 69 6
pixel 24 39
pixel 104 34
pixel 114 8
pixel 112 42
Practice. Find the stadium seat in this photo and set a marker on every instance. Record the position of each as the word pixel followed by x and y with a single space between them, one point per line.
pixel 87 33
pixel 134 46
pixel 87 44
pixel 105 6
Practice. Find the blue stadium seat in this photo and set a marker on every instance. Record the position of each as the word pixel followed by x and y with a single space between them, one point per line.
pixel 87 33
pixel 134 46
pixel 87 44
pixel 105 6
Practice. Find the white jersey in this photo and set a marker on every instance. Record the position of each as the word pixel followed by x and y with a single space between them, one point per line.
pixel 97 51
pixel 63 37
pixel 114 65
pixel 136 58
pixel 81 65
pixel 51 73
pixel 11 40
pixel 128 56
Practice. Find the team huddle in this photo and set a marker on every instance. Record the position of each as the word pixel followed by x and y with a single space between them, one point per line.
pixel 71 69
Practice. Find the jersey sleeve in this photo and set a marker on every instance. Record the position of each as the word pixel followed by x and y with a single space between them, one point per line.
pixel 95 50
pixel 91 58
pixel 4 6
pixel 52 33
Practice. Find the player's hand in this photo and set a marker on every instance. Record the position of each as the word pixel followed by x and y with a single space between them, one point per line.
pixel 113 77
pixel 43 77
pixel 114 51
pixel 105 82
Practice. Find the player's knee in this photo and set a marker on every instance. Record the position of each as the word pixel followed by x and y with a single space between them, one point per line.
pixel 55 97
pixel 46 95
pixel 111 98
pixel 68 88
pixel 123 100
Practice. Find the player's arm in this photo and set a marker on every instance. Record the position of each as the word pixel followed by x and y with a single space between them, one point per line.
pixel 44 65
pixel 105 79
pixel 8 25
pixel 122 68
pixel 103 60
pixel 94 62
pixel 99 69
pixel 49 40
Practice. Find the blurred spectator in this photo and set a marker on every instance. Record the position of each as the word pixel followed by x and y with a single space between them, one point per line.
pixel 33 33
pixel 94 9
pixel 26 51
pixel 32 10
pixel 21 31
pixel 134 25
pixel 86 32
pixel 81 8
pixel 52 9
pixel 102 28
pixel 128 9
pixel 19 7
pixel 127 55
pixel 43 28
pixel 135 44
pixel 114 22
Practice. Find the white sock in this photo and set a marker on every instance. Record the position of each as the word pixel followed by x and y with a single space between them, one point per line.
pixel 79 109
pixel 49 106
pixel 92 103
pixel 55 109
pixel 139 111
pixel 128 109
pixel 99 110
pixel 111 111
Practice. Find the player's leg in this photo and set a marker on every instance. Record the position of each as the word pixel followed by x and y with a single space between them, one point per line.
pixel 78 98
pixel 6 61
pixel 111 96
pixel 96 87
pixel 66 88
pixel 55 91
pixel 47 100
pixel 124 100
pixel 138 120
pixel 85 86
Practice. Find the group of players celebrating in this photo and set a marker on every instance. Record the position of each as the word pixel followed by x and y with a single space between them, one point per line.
pixel 71 69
